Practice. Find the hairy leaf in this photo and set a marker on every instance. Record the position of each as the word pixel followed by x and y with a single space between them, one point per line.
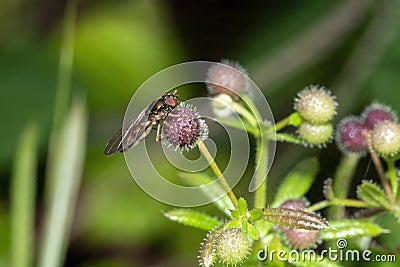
pixel 351 228
pixel 299 219
pixel 193 218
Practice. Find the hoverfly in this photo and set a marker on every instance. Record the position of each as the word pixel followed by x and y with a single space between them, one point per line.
pixel 137 129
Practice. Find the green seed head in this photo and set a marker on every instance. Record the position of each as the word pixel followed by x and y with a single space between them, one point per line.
pixel 385 139
pixel 232 246
pixel 316 135
pixel 315 104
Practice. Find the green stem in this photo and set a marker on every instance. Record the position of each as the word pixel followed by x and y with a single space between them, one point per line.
pixel 339 202
pixel 217 172
pixel 282 123
pixel 392 175
pixel 261 171
pixel 23 191
pixel 342 182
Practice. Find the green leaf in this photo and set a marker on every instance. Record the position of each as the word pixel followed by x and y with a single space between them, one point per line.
pixel 299 219
pixel 297 182
pixel 235 214
pixel 351 228
pixel 23 191
pixel 252 232
pixel 234 224
pixel 255 215
pixel 373 195
pixel 284 137
pixel 242 205
pixel 193 218
pixel 65 178
pixel 198 179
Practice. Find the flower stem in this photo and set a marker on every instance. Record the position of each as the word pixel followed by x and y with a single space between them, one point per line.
pixel 217 172
pixel 282 123
pixel 379 168
pixel 261 172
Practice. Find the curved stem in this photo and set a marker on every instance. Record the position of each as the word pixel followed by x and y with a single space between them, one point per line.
pixel 217 172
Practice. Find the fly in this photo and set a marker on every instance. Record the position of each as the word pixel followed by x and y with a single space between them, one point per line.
pixel 136 130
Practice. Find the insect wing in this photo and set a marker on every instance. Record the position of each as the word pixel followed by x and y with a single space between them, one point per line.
pixel 135 131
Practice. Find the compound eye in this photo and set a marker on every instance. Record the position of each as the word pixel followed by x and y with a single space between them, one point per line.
pixel 171 102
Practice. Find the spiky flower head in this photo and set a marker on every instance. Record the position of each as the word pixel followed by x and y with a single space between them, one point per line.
pixel 299 238
pixel 377 113
pixel 232 246
pixel 183 127
pixel 229 78
pixel 314 134
pixel 316 104
pixel 385 139
pixel 350 136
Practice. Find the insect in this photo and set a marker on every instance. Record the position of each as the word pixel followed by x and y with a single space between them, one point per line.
pixel 136 130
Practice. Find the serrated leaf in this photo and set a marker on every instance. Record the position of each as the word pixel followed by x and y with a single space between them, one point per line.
pixel 373 195
pixel 299 219
pixel 193 218
pixel 213 192
pixel 233 224
pixel 351 228
pixel 255 215
pixel 242 205
pixel 252 232
pixel 297 182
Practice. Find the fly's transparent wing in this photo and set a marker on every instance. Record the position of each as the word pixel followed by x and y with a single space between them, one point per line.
pixel 134 132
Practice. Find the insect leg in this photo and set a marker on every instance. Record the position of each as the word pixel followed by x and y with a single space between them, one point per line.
pixel 158 135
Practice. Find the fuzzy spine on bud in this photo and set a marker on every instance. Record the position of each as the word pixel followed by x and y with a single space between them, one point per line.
pixel 350 136
pixel 232 246
pixel 316 104
pixel 227 77
pixel 183 127
pixel 318 135
pixel 385 139
pixel 377 113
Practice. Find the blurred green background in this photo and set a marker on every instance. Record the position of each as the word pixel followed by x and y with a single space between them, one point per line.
pixel 352 47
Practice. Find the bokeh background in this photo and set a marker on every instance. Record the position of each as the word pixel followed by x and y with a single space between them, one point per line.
pixel 351 47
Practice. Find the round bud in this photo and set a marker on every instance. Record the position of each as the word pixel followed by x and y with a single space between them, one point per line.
pixel 376 113
pixel 183 127
pixel 221 107
pixel 227 77
pixel 302 239
pixel 385 138
pixel 350 136
pixel 299 238
pixel 315 104
pixel 294 204
pixel 232 246
pixel 313 134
